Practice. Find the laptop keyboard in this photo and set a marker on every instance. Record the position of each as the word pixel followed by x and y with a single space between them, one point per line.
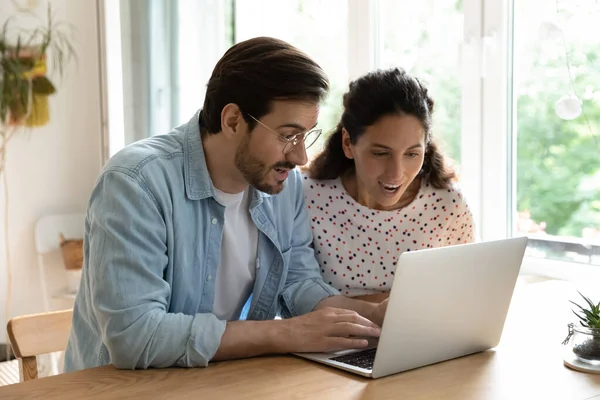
pixel 362 359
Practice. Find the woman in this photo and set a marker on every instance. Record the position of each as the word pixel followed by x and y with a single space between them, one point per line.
pixel 381 186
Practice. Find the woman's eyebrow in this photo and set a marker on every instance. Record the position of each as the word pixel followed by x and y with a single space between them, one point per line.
pixel 383 146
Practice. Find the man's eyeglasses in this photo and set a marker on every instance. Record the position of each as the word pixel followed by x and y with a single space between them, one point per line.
pixel 308 138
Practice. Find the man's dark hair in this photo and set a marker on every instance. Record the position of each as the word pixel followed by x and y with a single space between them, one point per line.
pixel 255 72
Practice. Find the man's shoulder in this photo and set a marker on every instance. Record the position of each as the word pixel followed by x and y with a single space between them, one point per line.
pixel 166 150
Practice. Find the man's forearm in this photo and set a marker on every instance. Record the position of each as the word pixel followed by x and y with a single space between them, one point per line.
pixel 362 307
pixel 244 339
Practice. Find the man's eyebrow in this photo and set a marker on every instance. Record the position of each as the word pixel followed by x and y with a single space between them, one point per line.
pixel 296 126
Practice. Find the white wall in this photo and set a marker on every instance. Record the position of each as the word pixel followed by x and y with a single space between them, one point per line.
pixel 52 169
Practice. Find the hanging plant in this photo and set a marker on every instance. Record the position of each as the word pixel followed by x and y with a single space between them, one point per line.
pixel 32 109
pixel 24 84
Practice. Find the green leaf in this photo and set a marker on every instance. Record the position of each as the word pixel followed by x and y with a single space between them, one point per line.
pixel 581 317
pixel 595 309
pixel 587 300
pixel 577 305
pixel 589 315
pixel 42 85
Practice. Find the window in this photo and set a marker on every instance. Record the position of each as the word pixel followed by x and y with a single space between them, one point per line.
pixel 204 34
pixel 426 41
pixel 557 98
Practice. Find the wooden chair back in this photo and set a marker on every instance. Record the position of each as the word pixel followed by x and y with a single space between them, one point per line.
pixel 36 334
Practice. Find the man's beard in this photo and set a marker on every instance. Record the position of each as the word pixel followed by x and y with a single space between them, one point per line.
pixel 255 172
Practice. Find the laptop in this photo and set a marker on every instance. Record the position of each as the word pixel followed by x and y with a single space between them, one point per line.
pixel 444 303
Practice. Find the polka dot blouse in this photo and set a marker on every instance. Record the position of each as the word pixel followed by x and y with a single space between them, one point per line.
pixel 358 247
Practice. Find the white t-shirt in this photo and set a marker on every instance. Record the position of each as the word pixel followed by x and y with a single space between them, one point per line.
pixel 358 247
pixel 237 267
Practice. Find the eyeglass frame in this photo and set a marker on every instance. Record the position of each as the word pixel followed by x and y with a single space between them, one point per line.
pixel 294 139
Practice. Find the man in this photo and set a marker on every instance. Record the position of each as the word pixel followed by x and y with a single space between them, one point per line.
pixel 185 229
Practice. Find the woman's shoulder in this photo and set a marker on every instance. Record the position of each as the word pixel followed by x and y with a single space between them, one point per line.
pixel 317 185
pixel 446 196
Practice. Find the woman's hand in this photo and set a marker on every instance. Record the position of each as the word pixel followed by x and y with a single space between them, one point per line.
pixel 378 314
pixel 373 298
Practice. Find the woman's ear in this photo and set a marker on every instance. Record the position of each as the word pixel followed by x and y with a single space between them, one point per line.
pixel 347 144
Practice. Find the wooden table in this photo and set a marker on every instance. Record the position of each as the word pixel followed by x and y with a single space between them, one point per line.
pixel 526 365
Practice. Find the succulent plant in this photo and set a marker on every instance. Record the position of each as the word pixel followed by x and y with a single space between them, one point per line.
pixel 589 316
pixel 586 345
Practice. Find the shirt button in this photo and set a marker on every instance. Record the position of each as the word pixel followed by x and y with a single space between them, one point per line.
pixel 214 221
pixel 257 263
pixel 208 277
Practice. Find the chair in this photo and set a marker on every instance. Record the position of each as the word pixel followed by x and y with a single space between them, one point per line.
pixel 36 334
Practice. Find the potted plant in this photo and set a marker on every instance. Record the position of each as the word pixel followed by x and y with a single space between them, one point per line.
pixel 24 83
pixel 584 336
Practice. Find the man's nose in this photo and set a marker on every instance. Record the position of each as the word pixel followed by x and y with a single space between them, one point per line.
pixel 298 154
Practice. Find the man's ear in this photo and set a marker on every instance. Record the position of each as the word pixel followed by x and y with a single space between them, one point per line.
pixel 231 120
pixel 346 144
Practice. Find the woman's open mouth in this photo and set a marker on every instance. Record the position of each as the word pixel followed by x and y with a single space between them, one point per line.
pixel 390 188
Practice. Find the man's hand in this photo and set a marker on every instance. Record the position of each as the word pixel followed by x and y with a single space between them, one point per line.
pixel 337 323
pixel 327 329
pixel 374 311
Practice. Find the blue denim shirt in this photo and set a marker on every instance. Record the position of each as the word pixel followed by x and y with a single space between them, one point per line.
pixel 152 245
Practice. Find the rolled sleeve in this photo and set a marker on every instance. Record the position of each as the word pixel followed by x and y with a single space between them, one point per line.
pixel 302 297
pixel 204 341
